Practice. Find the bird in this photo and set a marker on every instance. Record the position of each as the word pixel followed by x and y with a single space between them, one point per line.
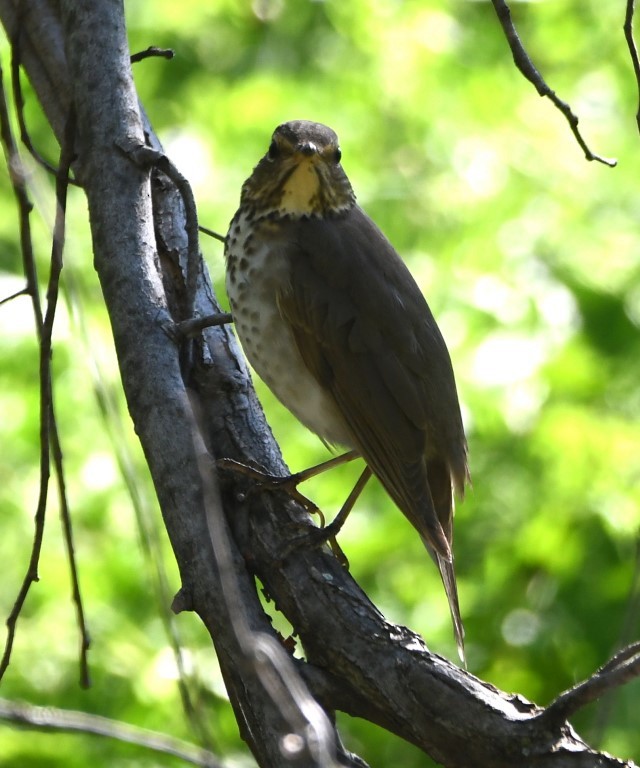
pixel 331 319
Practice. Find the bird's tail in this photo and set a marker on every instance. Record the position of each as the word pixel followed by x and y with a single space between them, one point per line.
pixel 448 575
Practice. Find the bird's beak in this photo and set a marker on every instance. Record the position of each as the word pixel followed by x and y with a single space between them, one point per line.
pixel 308 148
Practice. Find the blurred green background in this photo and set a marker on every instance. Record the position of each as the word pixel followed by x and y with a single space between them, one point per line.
pixel 528 255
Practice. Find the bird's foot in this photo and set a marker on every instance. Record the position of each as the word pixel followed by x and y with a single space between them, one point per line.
pixel 268 482
pixel 327 534
pixel 313 537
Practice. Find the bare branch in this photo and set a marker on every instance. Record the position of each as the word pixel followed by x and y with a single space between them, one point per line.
pixel 197 324
pixel 22 292
pixel 526 66
pixel 620 669
pixel 65 720
pixel 62 184
pixel 633 51
pixel 18 99
pixel 25 207
pixel 151 51
pixel 627 631
pixel 49 437
pixel 211 233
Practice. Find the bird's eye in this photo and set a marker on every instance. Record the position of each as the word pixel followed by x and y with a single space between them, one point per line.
pixel 337 155
pixel 274 150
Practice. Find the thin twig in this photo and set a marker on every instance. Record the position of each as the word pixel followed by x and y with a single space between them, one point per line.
pixel 633 51
pixel 49 435
pixel 18 99
pixel 62 184
pixel 212 233
pixel 196 324
pixel 22 292
pixel 24 208
pixel 627 631
pixel 152 50
pixel 526 66
pixel 54 719
pixel 620 669
pixel 45 437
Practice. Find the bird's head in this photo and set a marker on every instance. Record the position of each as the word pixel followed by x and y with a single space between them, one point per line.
pixel 301 175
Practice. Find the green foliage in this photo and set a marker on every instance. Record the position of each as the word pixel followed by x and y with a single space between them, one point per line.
pixel 528 256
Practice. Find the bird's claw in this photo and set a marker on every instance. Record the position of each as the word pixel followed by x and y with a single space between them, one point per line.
pixel 312 537
pixel 265 481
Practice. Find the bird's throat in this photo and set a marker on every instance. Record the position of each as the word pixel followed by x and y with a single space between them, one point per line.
pixel 300 193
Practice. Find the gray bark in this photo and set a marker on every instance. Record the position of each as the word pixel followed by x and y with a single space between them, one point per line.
pixel 356 661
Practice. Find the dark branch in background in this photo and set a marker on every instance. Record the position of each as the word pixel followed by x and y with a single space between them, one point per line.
pixel 21 292
pixel 633 51
pixel 17 178
pixel 68 721
pixel 526 66
pixel 18 99
pixel 49 436
pixel 62 185
pixel 152 51
pixel 628 630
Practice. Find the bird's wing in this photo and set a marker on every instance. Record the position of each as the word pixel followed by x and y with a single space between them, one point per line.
pixel 367 335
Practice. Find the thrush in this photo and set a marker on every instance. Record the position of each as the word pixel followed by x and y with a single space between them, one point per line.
pixel 333 322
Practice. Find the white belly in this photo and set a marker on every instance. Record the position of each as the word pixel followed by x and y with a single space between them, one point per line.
pixel 268 342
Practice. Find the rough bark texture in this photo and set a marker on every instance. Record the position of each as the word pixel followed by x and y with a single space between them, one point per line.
pixel 356 660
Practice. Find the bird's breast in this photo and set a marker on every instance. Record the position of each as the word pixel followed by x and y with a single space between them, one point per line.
pixel 257 271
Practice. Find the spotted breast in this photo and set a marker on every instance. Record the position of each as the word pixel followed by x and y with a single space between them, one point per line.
pixel 257 270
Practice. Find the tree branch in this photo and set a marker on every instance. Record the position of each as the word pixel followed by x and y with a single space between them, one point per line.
pixel 526 66
pixel 620 669
pixel 65 720
pixel 633 51
pixel 120 210
pixel 49 435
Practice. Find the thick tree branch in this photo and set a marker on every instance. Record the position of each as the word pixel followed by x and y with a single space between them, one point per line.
pixel 119 197
pixel 356 660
